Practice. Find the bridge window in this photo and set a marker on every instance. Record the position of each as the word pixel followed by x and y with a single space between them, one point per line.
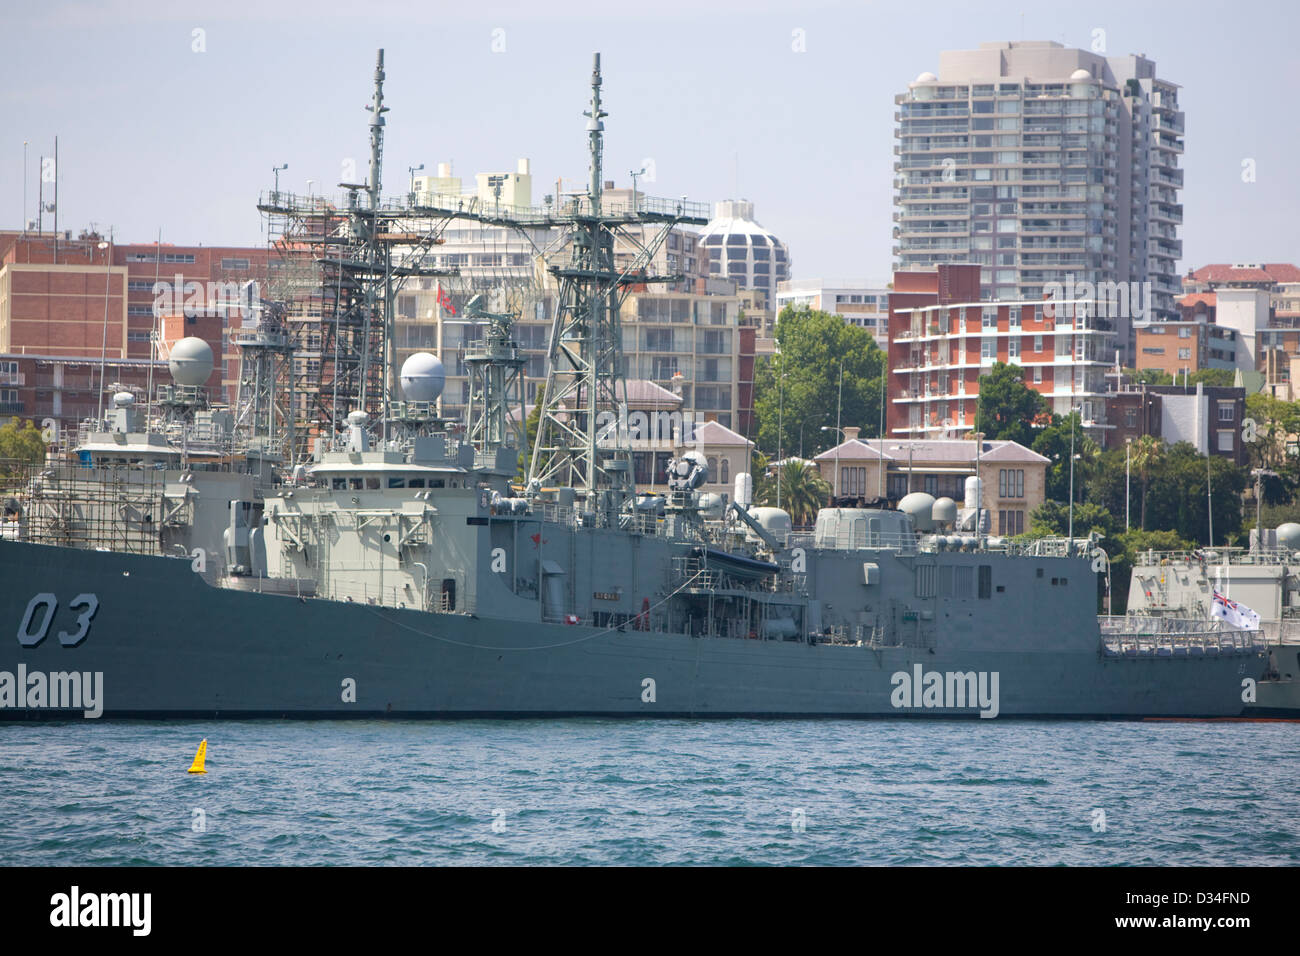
pixel 986 581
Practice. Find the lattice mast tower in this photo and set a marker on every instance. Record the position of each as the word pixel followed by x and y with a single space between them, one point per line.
pixel 582 439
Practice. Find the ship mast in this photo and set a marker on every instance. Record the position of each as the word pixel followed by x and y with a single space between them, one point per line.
pixel 582 440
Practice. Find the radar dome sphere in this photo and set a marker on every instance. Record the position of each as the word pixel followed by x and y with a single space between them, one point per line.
pixel 1288 536
pixel 190 362
pixel 422 377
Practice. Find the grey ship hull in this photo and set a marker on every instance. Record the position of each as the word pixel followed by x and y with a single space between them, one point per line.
pixel 170 645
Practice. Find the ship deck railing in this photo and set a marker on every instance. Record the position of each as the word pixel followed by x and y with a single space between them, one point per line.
pixel 1155 636
pixel 1216 556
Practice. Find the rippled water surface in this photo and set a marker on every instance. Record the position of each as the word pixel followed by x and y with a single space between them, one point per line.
pixel 651 792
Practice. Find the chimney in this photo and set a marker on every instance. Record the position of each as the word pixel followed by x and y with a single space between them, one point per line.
pixel 444 170
pixel 851 433
pixel 524 167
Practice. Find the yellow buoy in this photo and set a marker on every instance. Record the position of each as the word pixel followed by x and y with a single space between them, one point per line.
pixel 199 757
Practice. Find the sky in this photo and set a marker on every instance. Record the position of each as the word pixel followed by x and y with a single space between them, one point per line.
pixel 171 115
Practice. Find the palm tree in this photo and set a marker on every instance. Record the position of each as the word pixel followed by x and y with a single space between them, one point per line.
pixel 1148 451
pixel 803 491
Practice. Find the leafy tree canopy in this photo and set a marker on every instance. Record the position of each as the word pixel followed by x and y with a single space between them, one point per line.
pixel 1008 408
pixel 797 390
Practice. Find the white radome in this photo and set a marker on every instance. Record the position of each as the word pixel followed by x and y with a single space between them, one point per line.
pixel 190 361
pixel 423 377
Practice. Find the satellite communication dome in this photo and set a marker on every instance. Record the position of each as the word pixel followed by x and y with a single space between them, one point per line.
pixel 123 399
pixel 921 507
pixel 944 511
pixel 190 362
pixel 423 377
pixel 1288 536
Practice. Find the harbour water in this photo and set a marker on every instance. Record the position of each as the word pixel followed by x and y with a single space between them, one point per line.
pixel 530 792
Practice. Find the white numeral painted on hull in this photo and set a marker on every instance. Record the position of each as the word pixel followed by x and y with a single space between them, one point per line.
pixel 46 604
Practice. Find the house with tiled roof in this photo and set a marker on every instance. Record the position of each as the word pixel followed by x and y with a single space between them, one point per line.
pixel 1013 478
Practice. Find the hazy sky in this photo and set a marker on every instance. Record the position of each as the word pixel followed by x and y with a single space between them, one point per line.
pixel 153 134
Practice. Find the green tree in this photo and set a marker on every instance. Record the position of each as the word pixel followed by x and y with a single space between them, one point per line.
pixel 800 386
pixel 1272 422
pixel 764 482
pixel 1053 443
pixel 1052 518
pixel 1177 500
pixel 1148 376
pixel 20 446
pixel 1146 454
pixel 803 491
pixel 1008 408
pixel 1216 377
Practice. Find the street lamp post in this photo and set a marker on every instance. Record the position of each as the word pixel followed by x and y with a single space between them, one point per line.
pixel 1260 474
pixel 1128 477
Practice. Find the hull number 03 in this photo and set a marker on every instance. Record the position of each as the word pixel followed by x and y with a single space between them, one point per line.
pixel 40 615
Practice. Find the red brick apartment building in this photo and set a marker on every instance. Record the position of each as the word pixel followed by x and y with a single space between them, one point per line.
pixel 942 338
pixel 74 312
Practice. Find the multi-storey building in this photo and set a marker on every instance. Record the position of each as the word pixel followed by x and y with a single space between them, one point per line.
pixel 1186 346
pixel 1042 164
pixel 742 250
pixel 864 304
pixel 943 337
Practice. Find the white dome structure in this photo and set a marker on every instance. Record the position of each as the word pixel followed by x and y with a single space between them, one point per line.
pixel 190 361
pixel 1081 74
pixel 423 377
pixel 741 249
pixel 926 77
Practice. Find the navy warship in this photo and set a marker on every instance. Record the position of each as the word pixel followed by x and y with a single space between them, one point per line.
pixel 184 560
pixel 1260 582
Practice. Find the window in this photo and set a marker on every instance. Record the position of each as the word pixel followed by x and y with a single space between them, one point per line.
pixel 726 470
pixel 1038 375
pixel 1184 332
pixel 988 350
pixel 1227 412
pixel 986 581
pixel 1013 349
pixel 235 265
pixel 1038 343
pixel 1184 353
pixel 1225 441
pixel 1011 483
pixel 853 481
pixel 1011 523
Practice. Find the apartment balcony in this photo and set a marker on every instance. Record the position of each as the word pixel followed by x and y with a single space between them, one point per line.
pixel 12 408
pixel 13 378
